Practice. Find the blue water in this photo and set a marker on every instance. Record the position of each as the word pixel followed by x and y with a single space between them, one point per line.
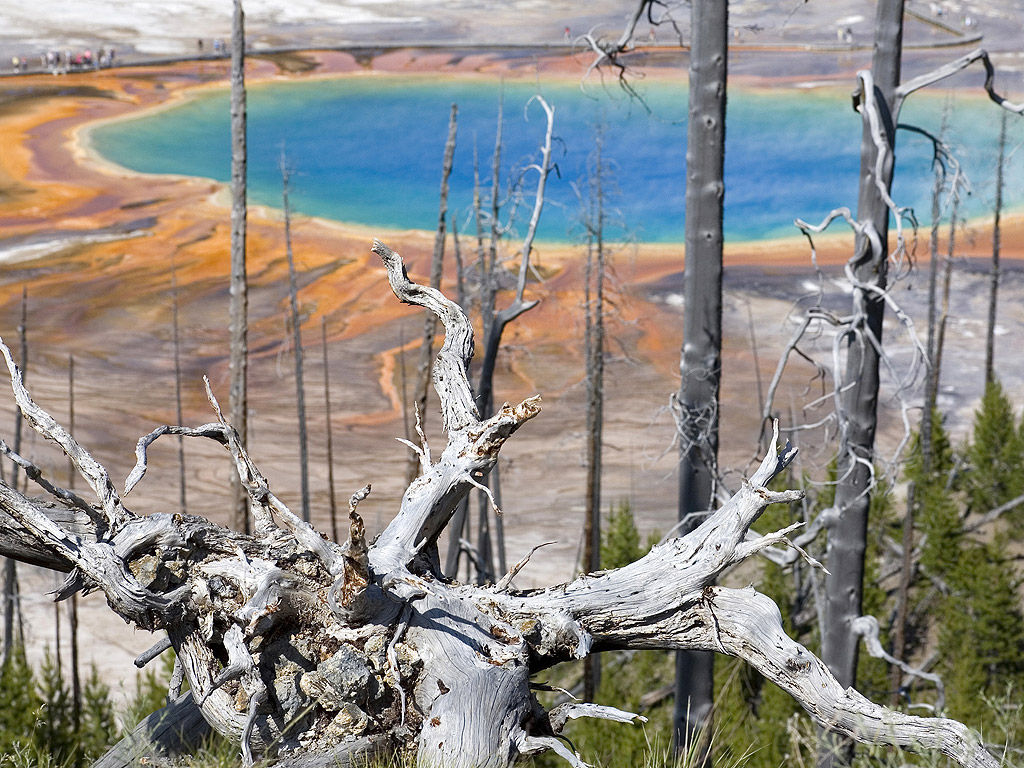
pixel 368 150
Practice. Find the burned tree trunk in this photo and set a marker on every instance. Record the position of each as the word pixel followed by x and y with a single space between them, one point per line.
pixel 857 347
pixel 993 291
pixel 295 320
pixel 76 678
pixel 325 654
pixel 238 407
pixel 847 536
pixel 700 366
pixel 176 340
pixel 12 604
pixel 593 353
pixel 332 505
pixel 459 530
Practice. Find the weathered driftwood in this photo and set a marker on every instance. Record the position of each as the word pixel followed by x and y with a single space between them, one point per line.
pixel 314 653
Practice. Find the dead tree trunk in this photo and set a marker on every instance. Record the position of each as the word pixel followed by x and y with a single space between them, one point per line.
pixel 906 577
pixel 327 654
pixel 847 535
pixel 460 271
pixel 182 490
pixel 993 291
pixel 594 355
pixel 947 280
pixel 700 366
pixel 459 531
pixel 296 324
pixel 332 506
pixel 593 352
pixel 878 98
pixel 436 272
pixel 12 607
pixel 495 322
pixel 238 408
pixel 485 570
pixel 76 678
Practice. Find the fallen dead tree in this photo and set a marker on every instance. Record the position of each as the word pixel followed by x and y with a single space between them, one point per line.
pixel 311 653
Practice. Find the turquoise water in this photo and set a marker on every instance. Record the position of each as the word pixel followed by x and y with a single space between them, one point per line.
pixel 368 150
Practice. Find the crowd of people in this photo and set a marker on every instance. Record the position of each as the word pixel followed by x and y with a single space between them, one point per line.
pixel 60 62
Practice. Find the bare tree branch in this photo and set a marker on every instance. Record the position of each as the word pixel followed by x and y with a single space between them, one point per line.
pixel 867 628
pixel 325 654
pixel 953 67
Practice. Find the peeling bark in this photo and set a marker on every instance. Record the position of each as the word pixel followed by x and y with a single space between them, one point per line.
pixel 313 653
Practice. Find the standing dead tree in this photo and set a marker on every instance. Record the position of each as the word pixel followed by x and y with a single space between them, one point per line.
pixel 332 505
pixel 993 293
pixel 11 597
pixel 857 352
pixel 859 382
pixel 436 272
pixel 695 404
pixel 593 354
pixel 501 318
pixel 611 54
pixel 295 321
pixel 238 406
pixel 494 322
pixel 176 343
pixel 76 678
pixel 700 367
pixel 899 629
pixel 327 653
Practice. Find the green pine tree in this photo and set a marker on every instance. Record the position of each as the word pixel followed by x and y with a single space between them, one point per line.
pixel 941 529
pixel 994 455
pixel 98 728
pixel 942 455
pixel 978 618
pixel 620 540
pixel 937 513
pixel 55 728
pixel 19 702
pixel 981 632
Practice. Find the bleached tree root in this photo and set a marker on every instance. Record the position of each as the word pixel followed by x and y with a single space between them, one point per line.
pixel 312 653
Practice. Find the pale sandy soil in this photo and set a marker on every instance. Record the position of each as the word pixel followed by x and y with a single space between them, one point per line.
pixel 94 248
